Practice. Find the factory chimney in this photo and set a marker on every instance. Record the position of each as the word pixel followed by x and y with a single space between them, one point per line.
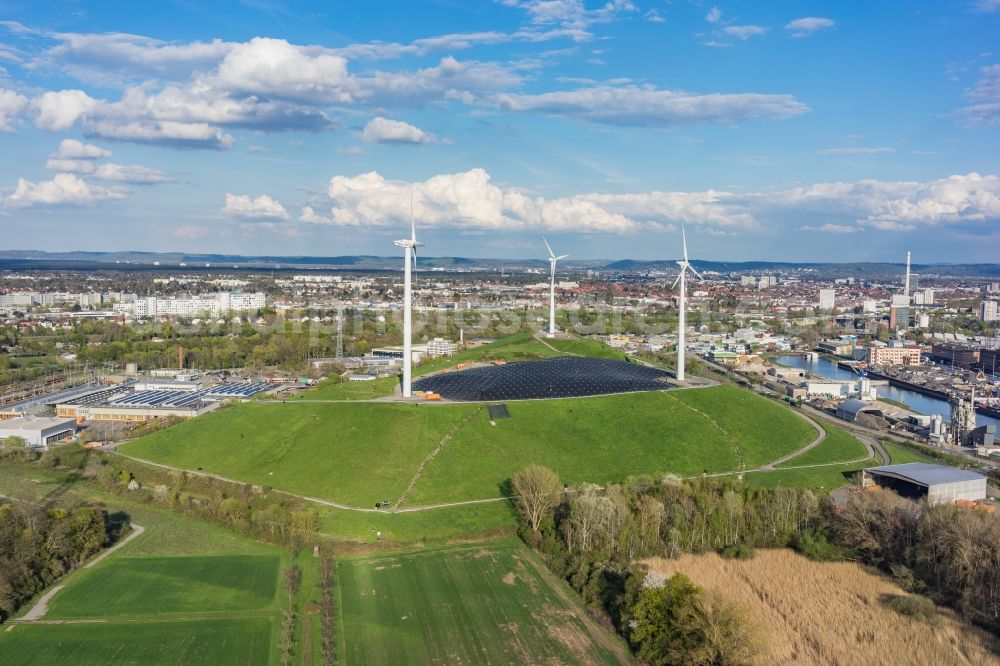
pixel 180 357
pixel 906 284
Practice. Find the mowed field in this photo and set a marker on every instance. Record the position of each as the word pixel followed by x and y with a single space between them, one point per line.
pixel 182 592
pixel 485 603
pixel 209 642
pixel 831 613
pixel 362 453
pixel 158 585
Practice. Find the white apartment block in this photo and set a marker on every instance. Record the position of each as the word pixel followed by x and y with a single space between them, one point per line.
pixel 213 304
pixel 441 347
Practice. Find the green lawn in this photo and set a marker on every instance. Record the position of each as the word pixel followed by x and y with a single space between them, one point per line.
pixel 153 585
pixel 355 453
pixel 474 604
pixel 839 446
pixel 209 642
pixel 765 429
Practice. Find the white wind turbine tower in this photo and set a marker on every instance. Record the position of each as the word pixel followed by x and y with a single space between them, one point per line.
pixel 409 246
pixel 682 315
pixel 552 288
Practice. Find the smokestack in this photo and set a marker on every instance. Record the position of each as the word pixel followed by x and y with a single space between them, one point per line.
pixel 906 285
pixel 180 357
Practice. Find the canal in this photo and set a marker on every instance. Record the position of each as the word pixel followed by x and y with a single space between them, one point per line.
pixel 918 402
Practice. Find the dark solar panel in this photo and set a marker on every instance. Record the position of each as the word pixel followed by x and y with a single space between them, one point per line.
pixel 498 412
pixel 562 377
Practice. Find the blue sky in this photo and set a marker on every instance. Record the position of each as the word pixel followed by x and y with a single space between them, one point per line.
pixel 817 131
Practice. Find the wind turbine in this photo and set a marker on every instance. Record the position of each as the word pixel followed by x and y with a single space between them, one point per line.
pixel 409 246
pixel 681 320
pixel 552 288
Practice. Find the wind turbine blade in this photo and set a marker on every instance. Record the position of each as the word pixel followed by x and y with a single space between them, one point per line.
pixel 562 256
pixel 552 255
pixel 674 285
pixel 696 273
pixel 685 241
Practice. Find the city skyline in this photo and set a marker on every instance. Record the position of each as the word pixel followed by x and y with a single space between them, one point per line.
pixel 821 132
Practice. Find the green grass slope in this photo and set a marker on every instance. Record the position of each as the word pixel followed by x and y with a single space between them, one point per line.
pixel 586 347
pixel 766 430
pixel 354 453
pixel 586 439
pixel 839 446
pixel 475 604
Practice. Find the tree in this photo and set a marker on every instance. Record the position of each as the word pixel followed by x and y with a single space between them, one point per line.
pixel 537 490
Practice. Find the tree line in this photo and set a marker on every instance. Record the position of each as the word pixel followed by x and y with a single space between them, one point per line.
pixel 39 545
pixel 594 537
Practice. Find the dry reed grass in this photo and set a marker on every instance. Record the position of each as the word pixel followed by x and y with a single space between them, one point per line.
pixel 831 613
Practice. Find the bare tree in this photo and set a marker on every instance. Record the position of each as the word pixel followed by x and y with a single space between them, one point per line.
pixel 537 490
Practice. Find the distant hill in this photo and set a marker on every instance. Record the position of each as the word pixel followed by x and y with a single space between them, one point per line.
pixel 41 260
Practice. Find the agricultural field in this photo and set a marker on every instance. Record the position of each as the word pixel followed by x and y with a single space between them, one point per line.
pixel 158 585
pixel 491 602
pixel 831 612
pixel 839 446
pixel 362 453
pixel 208 642
pixel 182 592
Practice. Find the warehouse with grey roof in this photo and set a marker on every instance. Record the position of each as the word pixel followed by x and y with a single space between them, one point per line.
pixel 939 484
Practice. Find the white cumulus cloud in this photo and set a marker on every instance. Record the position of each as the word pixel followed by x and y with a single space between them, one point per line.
pixel 57 111
pixel 134 173
pixel 803 27
pixel 12 105
pixel 383 130
pixel 470 200
pixel 64 189
pixel 71 149
pixel 262 208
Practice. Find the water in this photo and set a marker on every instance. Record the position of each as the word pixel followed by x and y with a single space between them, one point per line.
pixel 918 402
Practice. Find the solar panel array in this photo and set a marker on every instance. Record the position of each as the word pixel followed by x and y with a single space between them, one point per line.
pixel 561 377
pixel 175 398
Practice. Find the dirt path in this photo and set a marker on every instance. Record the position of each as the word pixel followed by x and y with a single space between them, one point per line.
pixel 433 454
pixel 38 611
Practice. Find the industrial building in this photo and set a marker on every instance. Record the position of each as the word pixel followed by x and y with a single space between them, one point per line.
pixel 143 401
pixel 958 355
pixel 849 410
pixel 939 484
pixel 38 432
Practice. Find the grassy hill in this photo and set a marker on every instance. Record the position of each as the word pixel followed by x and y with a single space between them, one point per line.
pixel 360 453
